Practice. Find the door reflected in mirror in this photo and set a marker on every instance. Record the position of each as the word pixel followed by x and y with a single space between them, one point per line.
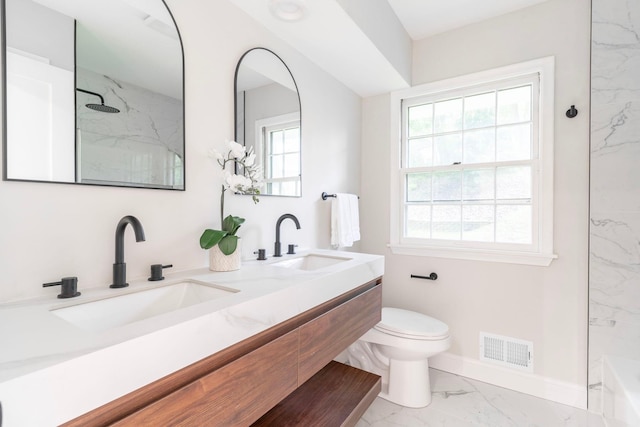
pixel 94 93
pixel 267 118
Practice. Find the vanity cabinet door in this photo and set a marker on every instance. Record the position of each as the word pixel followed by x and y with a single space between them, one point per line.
pixel 323 338
pixel 236 394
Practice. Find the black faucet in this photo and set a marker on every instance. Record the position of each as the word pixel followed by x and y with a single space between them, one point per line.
pixel 278 251
pixel 120 268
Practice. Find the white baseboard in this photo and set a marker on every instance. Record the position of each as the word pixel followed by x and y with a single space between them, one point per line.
pixel 557 391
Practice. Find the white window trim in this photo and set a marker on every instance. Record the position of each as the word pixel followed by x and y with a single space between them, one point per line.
pixel 267 122
pixel 544 255
pixel 261 152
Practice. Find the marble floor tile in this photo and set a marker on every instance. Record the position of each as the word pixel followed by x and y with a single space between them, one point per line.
pixel 460 402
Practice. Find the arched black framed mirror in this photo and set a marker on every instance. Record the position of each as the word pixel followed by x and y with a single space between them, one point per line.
pixel 268 118
pixel 93 93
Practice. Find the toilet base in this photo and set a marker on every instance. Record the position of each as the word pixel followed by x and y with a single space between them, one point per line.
pixel 408 383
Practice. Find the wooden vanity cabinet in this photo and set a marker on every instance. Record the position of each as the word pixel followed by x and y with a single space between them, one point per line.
pixel 236 394
pixel 239 385
pixel 323 338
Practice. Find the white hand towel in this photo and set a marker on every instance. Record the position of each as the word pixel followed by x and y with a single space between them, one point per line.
pixel 345 220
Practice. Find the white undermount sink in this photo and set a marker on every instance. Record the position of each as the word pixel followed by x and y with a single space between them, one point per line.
pixel 109 313
pixel 310 262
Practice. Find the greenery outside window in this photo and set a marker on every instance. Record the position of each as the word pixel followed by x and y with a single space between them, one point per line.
pixel 473 170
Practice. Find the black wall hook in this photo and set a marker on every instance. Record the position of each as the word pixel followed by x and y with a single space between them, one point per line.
pixel 572 112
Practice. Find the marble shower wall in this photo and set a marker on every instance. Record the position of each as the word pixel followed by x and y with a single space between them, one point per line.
pixel 614 276
pixel 141 144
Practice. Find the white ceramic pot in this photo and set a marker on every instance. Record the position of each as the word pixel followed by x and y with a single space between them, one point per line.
pixel 221 262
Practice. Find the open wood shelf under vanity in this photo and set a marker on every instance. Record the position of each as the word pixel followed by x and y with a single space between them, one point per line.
pixel 338 395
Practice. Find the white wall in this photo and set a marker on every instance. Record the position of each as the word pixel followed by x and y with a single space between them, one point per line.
pixel 546 305
pixel 48 231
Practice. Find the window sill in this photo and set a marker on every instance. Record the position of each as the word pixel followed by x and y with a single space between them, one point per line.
pixel 510 257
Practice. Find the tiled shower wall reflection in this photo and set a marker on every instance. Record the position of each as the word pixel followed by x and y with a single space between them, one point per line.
pixel 141 145
pixel 614 278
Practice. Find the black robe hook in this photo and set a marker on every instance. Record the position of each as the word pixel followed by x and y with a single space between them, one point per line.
pixel 572 112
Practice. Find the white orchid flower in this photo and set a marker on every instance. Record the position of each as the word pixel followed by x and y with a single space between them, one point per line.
pixel 247 184
pixel 250 159
pixel 230 181
pixel 237 151
pixel 249 180
pixel 255 172
pixel 238 183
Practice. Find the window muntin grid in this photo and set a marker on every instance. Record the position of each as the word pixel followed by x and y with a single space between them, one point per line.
pixel 282 158
pixel 469 165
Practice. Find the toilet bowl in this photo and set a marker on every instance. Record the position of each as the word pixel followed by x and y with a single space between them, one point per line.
pixel 397 349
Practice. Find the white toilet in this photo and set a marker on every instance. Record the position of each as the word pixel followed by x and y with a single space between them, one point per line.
pixel 397 349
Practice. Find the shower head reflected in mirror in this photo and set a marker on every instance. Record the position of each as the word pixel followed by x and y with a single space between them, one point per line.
pixel 99 107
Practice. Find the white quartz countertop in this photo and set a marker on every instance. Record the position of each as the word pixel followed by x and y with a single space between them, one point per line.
pixel 52 371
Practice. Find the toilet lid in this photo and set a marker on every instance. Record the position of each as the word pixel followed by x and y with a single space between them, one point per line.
pixel 409 324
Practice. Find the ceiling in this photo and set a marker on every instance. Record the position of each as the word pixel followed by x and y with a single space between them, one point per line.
pixel 367 44
pixel 424 18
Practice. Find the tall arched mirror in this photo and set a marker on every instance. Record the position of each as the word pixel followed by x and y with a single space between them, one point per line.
pixel 267 118
pixel 93 93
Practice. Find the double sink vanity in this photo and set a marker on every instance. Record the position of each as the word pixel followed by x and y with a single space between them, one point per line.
pixel 199 347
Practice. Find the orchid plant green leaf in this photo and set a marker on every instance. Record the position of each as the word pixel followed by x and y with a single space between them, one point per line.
pixel 226 238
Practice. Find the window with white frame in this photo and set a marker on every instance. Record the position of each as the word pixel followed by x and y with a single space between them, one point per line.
pixel 474 167
pixel 281 142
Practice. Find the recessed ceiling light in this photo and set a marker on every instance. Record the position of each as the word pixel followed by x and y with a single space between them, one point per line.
pixel 287 10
